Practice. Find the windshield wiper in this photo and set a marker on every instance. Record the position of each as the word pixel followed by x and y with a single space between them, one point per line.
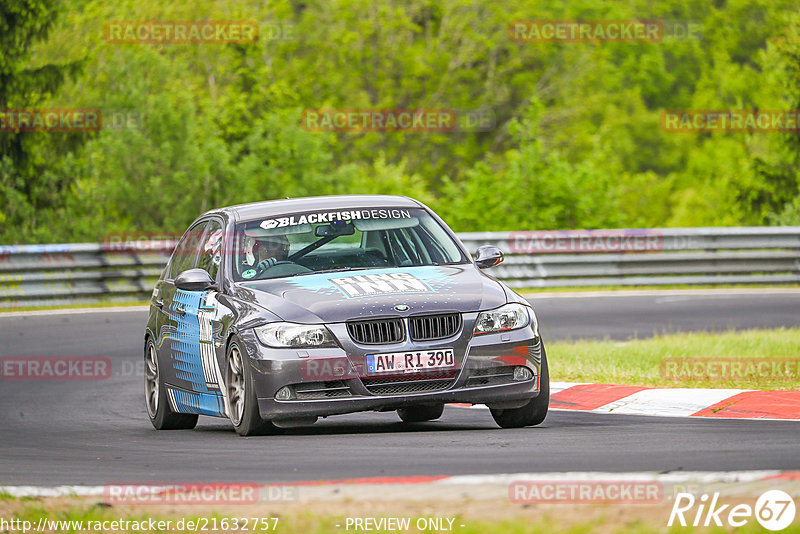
pixel 337 270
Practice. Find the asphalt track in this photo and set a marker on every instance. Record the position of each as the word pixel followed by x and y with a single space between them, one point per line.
pixel 96 432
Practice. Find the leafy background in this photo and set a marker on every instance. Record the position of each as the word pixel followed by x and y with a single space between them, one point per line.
pixel 577 141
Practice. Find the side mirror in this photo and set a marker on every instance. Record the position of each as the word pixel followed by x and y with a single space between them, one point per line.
pixel 194 280
pixel 488 256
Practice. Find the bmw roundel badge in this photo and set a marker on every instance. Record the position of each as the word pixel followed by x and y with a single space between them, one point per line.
pixel 402 307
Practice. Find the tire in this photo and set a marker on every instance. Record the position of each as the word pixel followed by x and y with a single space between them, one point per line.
pixel 241 395
pixel 418 414
pixel 534 412
pixel 158 410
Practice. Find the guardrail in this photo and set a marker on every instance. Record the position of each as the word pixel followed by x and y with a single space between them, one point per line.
pixel 665 256
pixel 33 275
pixel 63 274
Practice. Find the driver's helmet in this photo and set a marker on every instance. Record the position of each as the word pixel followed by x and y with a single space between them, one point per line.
pixel 276 246
pixel 257 239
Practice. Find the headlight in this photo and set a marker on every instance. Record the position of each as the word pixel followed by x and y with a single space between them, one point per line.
pixel 283 335
pixel 508 317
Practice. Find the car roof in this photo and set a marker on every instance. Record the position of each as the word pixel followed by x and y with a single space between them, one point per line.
pixel 271 208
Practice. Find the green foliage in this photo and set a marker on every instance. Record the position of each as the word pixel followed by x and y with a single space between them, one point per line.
pixel 576 140
pixel 538 188
pixel 789 215
pixel 777 194
pixel 28 185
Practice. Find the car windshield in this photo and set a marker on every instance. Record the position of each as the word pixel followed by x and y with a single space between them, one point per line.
pixel 323 241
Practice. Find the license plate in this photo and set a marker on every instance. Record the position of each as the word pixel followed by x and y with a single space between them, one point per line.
pixel 410 362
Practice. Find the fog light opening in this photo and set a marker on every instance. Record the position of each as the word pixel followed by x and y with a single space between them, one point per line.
pixel 522 373
pixel 284 394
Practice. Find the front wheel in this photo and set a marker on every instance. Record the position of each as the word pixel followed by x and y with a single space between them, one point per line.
pixel 155 395
pixel 534 412
pixel 242 400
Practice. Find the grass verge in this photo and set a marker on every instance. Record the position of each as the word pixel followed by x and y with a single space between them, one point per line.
pixel 532 292
pixel 768 360
pixel 79 305
pixel 528 292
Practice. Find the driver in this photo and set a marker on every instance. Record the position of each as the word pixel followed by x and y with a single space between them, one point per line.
pixel 270 250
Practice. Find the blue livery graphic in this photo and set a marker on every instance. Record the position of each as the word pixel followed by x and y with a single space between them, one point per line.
pixel 191 353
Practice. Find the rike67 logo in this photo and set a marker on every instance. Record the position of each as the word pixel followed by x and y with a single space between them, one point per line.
pixel 774 510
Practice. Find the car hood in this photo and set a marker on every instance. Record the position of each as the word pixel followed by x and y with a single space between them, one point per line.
pixel 345 295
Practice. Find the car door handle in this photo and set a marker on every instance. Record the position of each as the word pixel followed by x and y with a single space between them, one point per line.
pixel 180 310
pixel 159 304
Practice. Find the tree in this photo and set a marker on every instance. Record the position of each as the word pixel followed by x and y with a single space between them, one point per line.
pixel 781 195
pixel 27 187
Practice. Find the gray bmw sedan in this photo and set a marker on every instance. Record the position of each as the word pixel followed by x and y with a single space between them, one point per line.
pixel 275 313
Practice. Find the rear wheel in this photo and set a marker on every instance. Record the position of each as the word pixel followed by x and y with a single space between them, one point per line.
pixel 418 414
pixel 534 412
pixel 155 395
pixel 242 396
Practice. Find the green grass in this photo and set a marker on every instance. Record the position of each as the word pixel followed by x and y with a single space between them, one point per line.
pixel 642 362
pixel 102 304
pixel 578 289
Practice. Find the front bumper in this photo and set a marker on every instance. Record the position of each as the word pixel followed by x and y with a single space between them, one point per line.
pixel 333 381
